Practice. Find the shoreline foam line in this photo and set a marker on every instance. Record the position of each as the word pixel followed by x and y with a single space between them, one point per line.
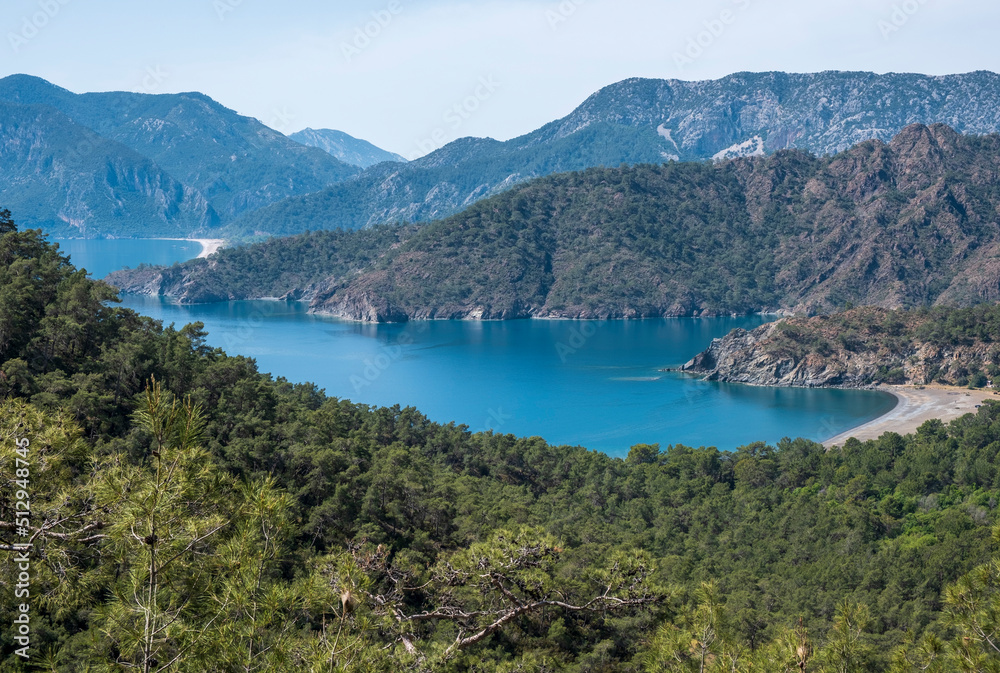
pixel 916 405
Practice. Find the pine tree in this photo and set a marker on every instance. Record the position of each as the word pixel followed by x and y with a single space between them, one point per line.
pixel 164 541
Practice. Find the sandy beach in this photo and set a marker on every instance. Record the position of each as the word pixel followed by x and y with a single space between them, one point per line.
pixel 209 246
pixel 915 406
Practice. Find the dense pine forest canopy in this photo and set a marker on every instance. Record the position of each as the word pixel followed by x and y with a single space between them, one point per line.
pixel 190 513
pixel 897 225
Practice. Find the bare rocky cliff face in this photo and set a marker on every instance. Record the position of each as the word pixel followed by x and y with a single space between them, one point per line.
pixel 170 281
pixel 860 348
pixel 63 177
pixel 823 113
pixel 745 357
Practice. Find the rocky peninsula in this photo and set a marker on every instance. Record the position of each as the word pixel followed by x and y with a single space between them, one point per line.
pixel 860 348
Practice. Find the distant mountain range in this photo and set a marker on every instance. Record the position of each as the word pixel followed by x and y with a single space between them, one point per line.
pixel 345 147
pixel 242 179
pixel 650 121
pixel 62 176
pixel 129 164
pixel 908 223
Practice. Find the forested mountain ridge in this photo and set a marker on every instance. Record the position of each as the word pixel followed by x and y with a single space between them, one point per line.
pixel 862 347
pixel 347 148
pixel 908 223
pixel 650 121
pixel 234 163
pixel 293 531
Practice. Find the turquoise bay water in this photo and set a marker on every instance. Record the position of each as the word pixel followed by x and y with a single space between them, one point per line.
pixel 593 383
pixel 102 256
pixel 596 384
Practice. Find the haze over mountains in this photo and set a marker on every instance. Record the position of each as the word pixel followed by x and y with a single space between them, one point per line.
pixel 345 147
pixel 69 180
pixel 129 164
pixel 182 163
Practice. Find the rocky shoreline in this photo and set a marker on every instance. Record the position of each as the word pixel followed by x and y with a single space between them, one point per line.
pixel 372 306
pixel 742 357
pixel 858 349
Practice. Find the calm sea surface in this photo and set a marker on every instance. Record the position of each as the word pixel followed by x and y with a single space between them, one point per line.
pixel 101 257
pixel 593 383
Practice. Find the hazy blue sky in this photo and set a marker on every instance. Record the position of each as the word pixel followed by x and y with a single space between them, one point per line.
pixel 509 66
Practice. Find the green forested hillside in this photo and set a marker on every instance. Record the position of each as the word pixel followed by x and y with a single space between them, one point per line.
pixel 289 267
pixel 909 223
pixel 192 514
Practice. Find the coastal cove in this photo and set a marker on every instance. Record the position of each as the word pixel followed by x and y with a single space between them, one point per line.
pixel 593 383
pixel 102 256
pixel 590 383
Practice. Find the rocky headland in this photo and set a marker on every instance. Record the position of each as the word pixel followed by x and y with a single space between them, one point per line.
pixel 860 348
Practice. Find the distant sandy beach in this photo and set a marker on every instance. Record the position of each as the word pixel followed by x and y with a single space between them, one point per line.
pixel 209 246
pixel 915 406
